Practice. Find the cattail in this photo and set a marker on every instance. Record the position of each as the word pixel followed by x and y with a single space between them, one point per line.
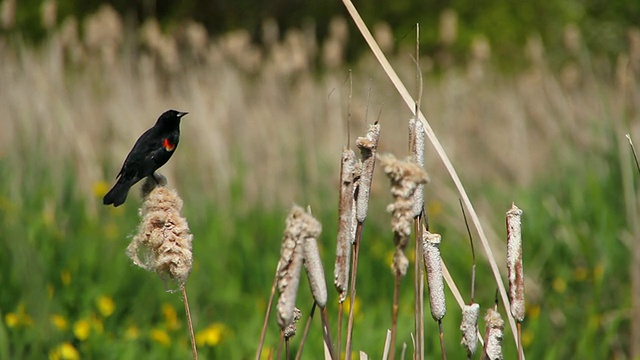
pixel 299 227
pixel 514 263
pixel 313 263
pixel 346 215
pixel 431 246
pixel 469 327
pixel 290 330
pixel 163 236
pixel 494 327
pixel 416 136
pixel 405 177
pixel 368 146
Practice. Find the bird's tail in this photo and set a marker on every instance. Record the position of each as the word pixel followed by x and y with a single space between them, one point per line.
pixel 118 194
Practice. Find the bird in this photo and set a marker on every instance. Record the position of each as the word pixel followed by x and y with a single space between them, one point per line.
pixel 152 150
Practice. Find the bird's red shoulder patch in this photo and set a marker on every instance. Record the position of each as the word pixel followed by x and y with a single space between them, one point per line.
pixel 168 145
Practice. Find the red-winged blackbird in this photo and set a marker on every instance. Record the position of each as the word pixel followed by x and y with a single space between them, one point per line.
pixel 152 150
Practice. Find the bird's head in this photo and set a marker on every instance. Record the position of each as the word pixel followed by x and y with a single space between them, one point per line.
pixel 171 118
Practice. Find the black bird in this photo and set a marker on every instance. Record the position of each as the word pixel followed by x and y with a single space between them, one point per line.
pixel 152 150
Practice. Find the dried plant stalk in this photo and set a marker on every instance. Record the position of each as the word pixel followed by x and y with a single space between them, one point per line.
pixel 514 263
pixel 299 227
pixel 405 177
pixel 494 327
pixel 346 223
pixel 163 242
pixel 368 146
pixel 315 270
pixel 432 261
pixel 416 139
pixel 469 327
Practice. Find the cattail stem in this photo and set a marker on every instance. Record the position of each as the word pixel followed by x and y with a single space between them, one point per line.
pixel 327 334
pixel 352 295
pixel 340 316
pixel 394 314
pixel 187 311
pixel 441 333
pixel 263 333
pixel 306 331
pixel 419 290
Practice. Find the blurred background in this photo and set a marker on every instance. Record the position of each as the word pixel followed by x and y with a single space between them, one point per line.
pixel 531 100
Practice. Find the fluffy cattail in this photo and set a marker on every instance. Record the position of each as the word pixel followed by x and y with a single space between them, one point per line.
pixel 346 215
pixel 290 330
pixel 300 226
pixel 431 246
pixel 494 331
pixel 163 235
pixel 514 263
pixel 416 138
pixel 405 177
pixel 469 327
pixel 313 263
pixel 368 146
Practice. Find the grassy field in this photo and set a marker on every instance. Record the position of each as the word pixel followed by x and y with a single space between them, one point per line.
pixel 265 130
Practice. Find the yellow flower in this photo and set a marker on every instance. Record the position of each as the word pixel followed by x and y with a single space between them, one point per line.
pixel 580 273
pixel 64 351
pixel 160 336
pixel 65 277
pixel 170 316
pixel 533 311
pixel 82 329
pixel 106 306
pixel 267 353
pixel 12 319
pixel 356 306
pixel 559 285
pixel 211 336
pixel 132 332
pixel 100 188
pixel 434 208
pixel 59 322
pixel 527 338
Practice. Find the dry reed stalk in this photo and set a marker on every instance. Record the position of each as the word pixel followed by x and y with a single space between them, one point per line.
pixel 263 332
pixel 494 328
pixel 290 330
pixel 406 97
pixel 306 331
pixel 163 243
pixel 405 176
pixel 368 146
pixel 515 269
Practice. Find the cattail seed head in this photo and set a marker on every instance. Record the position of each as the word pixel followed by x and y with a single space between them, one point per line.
pixel 163 236
pixel 346 223
pixel 405 177
pixel 290 330
pixel 469 327
pixel 416 138
pixel 494 331
pixel 431 246
pixel 368 146
pixel 515 268
pixel 315 270
pixel 299 227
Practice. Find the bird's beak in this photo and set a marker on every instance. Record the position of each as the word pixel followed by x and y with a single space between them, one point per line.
pixel 182 113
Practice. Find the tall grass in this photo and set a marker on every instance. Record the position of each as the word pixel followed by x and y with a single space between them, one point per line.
pixel 71 111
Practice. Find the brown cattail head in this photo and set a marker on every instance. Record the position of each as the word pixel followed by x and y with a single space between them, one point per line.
pixel 469 327
pixel 368 146
pixel 431 246
pixel 163 236
pixel 299 227
pixel 405 177
pixel 290 330
pixel 514 262
pixel 494 331
pixel 313 263
pixel 416 139
pixel 346 222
